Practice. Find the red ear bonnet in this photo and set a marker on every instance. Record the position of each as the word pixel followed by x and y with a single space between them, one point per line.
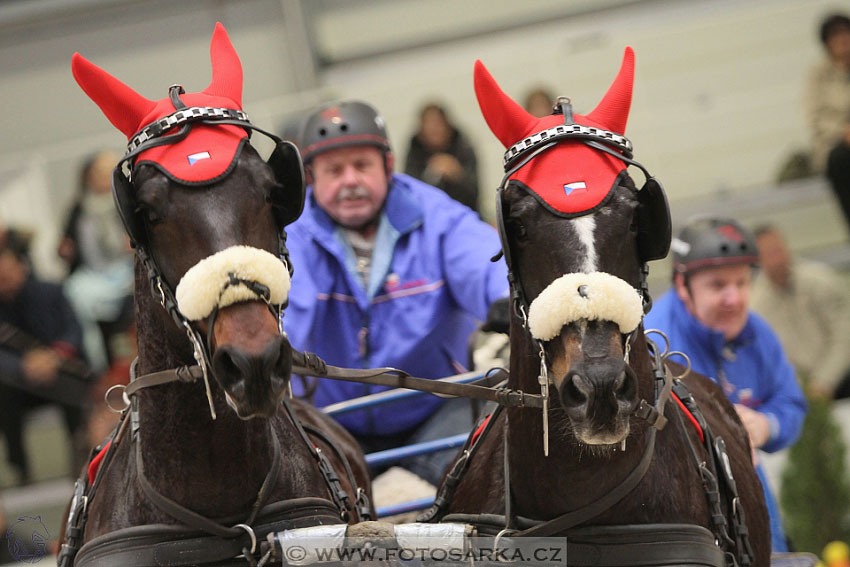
pixel 207 152
pixel 571 178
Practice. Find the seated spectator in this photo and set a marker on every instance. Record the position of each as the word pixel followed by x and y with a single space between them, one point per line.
pixel 539 102
pixel 706 315
pixel 98 254
pixel 40 346
pixel 827 107
pixel 440 155
pixel 808 305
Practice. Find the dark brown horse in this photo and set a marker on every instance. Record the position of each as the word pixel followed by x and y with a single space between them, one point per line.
pixel 209 459
pixel 577 234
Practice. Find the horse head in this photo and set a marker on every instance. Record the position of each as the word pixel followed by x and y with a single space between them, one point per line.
pixel 576 234
pixel 206 214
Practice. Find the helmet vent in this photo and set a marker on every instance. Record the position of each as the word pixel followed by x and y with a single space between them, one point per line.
pixel 323 132
pixel 343 127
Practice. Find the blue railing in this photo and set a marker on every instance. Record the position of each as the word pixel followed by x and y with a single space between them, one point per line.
pixel 388 456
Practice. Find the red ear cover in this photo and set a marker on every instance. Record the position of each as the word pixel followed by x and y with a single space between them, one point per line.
pixel 571 178
pixel 208 151
pixel 123 106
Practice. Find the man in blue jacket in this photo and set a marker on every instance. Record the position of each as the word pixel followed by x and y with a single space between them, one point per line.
pixel 706 315
pixel 389 271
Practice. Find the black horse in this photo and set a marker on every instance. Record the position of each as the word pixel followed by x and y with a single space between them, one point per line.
pixel 630 476
pixel 211 455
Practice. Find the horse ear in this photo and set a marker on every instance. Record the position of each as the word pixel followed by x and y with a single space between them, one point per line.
pixel 613 110
pixel 226 67
pixel 123 106
pixel 507 119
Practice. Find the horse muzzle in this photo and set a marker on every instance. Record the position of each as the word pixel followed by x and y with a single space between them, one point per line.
pixel 254 383
pixel 599 395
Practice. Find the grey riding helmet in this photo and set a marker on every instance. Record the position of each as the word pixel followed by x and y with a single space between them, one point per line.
pixel 709 242
pixel 351 123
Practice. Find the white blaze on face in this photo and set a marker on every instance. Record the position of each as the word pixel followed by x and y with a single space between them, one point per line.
pixel 585 227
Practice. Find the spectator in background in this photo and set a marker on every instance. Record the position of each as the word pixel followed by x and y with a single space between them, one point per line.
pixel 40 343
pixel 706 315
pixel 440 155
pixel 539 102
pixel 97 251
pixel 827 107
pixel 808 305
pixel 389 271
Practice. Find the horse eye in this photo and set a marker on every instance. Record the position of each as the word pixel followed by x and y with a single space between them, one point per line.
pixel 517 228
pixel 274 190
pixel 149 214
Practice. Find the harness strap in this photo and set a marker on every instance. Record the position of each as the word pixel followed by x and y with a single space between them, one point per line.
pixel 446 492
pixel 197 521
pixel 576 517
pixel 642 545
pixel 307 363
pixel 362 505
pixel 170 545
pixel 340 497
pixel 83 493
pixel 715 448
pixel 181 374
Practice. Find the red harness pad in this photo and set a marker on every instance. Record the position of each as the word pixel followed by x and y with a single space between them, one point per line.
pixel 691 417
pixel 94 465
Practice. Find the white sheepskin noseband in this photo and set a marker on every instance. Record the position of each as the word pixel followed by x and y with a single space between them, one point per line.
pixel 593 296
pixel 204 287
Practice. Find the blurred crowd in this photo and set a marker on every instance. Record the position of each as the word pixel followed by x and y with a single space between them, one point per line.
pixel 65 343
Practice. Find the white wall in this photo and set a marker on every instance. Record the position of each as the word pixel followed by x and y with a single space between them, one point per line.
pixel 716 99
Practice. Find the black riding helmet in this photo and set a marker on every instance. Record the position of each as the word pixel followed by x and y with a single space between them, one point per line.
pixel 708 242
pixel 351 123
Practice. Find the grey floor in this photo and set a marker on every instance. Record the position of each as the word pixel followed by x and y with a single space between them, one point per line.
pixel 48 495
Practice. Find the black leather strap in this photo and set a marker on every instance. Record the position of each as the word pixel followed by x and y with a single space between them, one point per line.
pixel 160 545
pixel 309 364
pixel 181 374
pixel 644 546
pixel 564 522
pixel 197 521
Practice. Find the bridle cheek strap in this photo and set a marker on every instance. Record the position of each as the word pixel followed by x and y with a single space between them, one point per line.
pixel 594 296
pixel 238 273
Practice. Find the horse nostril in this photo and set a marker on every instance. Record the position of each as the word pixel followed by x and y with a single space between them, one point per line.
pixel 625 387
pixel 224 364
pixel 576 389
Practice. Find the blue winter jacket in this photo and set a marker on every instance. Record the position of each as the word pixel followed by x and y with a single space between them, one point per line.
pixel 752 369
pixel 431 279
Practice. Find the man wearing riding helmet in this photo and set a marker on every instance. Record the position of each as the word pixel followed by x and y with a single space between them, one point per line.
pixel 706 315
pixel 389 271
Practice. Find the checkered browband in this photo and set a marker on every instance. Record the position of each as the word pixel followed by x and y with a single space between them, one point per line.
pixel 562 131
pixel 183 116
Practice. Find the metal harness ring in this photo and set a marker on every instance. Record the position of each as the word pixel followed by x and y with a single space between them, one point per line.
pixel 124 398
pixel 250 531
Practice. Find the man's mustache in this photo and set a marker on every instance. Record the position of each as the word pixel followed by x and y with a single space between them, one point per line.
pixel 352 193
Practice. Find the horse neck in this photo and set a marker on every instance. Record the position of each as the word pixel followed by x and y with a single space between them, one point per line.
pixel 567 457
pixel 176 431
